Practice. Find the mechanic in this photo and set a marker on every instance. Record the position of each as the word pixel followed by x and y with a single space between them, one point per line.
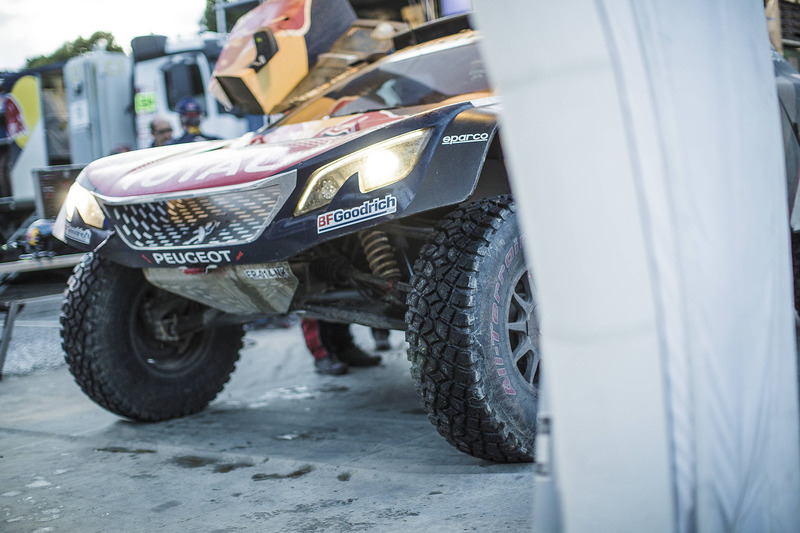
pixel 332 347
pixel 191 114
pixel 161 130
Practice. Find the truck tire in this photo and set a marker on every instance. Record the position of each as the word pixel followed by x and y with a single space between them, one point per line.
pixel 473 333
pixel 115 356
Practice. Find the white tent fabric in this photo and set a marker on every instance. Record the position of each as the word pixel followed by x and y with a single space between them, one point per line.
pixel 645 147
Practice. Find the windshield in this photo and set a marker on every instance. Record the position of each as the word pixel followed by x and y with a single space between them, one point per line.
pixel 418 79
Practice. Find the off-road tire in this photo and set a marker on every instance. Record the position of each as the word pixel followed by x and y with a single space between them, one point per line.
pixel 123 368
pixel 460 345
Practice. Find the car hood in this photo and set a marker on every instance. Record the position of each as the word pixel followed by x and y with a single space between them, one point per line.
pixel 206 165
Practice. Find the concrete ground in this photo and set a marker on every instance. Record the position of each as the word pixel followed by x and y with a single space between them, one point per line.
pixel 281 449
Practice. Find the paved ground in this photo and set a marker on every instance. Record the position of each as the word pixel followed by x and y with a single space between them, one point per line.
pixel 281 449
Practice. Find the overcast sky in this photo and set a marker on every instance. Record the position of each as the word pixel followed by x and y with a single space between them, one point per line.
pixel 30 28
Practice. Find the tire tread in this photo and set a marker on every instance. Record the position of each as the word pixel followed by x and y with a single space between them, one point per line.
pixel 83 317
pixel 444 353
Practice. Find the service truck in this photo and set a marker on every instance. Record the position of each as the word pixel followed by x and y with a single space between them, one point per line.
pixel 58 119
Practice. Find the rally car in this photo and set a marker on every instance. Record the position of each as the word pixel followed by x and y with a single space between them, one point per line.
pixel 382 200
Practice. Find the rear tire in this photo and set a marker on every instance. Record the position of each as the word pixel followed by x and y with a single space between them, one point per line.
pixel 115 356
pixel 473 333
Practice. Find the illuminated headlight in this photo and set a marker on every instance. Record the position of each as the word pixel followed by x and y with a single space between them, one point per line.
pixel 86 204
pixel 379 165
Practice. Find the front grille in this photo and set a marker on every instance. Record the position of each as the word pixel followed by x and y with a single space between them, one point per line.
pixel 214 220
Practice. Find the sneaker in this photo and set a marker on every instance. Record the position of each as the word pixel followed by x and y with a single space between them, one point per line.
pixel 355 356
pixel 330 365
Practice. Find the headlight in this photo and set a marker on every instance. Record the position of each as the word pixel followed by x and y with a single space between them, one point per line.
pixel 379 165
pixel 86 204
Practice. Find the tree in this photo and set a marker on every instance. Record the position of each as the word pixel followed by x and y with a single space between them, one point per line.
pixel 77 47
pixel 232 14
pixel 209 19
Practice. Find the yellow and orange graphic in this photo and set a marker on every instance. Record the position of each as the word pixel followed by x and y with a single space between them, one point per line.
pixel 22 109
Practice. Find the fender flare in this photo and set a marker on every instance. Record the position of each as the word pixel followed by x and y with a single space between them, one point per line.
pixel 468 146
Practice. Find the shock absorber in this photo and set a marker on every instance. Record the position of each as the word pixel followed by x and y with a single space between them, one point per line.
pixel 380 254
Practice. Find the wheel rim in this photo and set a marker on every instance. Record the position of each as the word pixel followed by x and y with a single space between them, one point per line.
pixel 168 357
pixel 523 331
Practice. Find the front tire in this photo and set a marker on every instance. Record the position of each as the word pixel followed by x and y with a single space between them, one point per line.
pixel 110 333
pixel 473 333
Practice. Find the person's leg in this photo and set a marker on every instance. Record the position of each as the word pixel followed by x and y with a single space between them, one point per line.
pixel 381 337
pixel 325 360
pixel 337 338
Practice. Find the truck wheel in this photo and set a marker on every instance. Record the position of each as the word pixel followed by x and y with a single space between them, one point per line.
pixel 118 333
pixel 473 333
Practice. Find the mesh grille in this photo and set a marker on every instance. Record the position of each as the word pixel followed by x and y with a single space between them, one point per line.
pixel 222 219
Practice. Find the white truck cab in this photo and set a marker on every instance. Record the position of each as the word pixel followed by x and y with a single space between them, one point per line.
pixel 165 71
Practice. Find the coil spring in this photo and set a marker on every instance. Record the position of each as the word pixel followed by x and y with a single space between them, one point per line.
pixel 380 254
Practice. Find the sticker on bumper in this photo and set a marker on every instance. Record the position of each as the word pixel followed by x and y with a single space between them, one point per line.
pixel 83 236
pixel 279 272
pixel 466 138
pixel 192 258
pixel 367 211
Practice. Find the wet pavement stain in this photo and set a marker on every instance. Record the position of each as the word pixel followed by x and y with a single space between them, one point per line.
pixel 229 467
pixel 395 513
pixel 298 436
pixel 120 449
pixel 165 506
pixel 193 461
pixel 304 517
pixel 333 388
pixel 297 473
